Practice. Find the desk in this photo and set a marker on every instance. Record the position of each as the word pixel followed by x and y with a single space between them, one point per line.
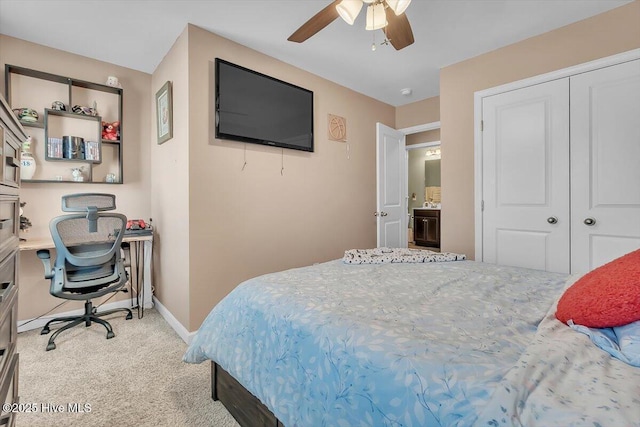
pixel 138 255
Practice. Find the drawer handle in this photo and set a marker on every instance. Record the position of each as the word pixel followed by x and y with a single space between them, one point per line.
pixel 6 223
pixel 12 161
pixel 5 289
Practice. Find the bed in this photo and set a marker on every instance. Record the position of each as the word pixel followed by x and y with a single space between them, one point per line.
pixel 457 343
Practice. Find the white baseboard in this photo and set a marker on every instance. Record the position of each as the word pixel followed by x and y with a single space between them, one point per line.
pixel 182 332
pixel 30 324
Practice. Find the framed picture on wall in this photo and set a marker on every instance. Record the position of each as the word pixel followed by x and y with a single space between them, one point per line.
pixel 164 112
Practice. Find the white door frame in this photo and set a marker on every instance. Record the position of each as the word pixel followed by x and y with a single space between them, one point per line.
pixel 477 125
pixel 407 149
pixel 410 131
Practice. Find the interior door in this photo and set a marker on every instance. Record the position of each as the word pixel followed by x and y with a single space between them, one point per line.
pixel 391 177
pixel 525 178
pixel 605 165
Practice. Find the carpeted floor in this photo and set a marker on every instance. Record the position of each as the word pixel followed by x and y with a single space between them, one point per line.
pixel 136 378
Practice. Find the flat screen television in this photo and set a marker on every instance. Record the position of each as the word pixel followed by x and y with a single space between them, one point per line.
pixel 256 108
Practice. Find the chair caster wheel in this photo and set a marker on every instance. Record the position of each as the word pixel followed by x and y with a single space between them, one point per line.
pixel 51 346
pixel 110 335
pixel 129 317
pixel 44 331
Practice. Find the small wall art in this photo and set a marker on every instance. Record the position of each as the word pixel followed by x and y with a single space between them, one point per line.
pixel 164 112
pixel 337 128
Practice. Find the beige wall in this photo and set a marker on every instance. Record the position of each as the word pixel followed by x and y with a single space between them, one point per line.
pixel 170 186
pixel 418 113
pixel 43 200
pixel 422 137
pixel 246 223
pixel 603 35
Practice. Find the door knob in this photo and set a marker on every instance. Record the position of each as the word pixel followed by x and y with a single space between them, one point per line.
pixel 552 220
pixel 589 221
pixel 383 214
pixel 375 214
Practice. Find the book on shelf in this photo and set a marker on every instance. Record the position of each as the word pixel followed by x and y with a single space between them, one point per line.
pixel 54 148
pixel 92 151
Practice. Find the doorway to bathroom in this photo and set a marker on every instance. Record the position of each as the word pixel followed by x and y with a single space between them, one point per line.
pixel 424 194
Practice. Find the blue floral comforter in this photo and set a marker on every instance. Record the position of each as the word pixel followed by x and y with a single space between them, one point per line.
pixel 379 345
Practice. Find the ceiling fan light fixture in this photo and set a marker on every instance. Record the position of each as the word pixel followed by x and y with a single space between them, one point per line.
pixel 376 17
pixel 398 6
pixel 349 10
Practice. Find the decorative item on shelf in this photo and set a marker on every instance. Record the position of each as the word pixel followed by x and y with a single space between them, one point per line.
pixel 73 147
pixel 111 131
pixel 27 115
pixel 27 161
pixel 58 106
pixel 110 178
pixel 87 111
pixel 92 151
pixel 25 223
pixel 76 173
pixel 113 82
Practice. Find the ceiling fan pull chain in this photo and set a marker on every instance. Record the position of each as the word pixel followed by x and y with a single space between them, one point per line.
pixel 386 37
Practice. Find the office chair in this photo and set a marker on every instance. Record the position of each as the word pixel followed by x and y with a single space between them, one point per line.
pixel 88 263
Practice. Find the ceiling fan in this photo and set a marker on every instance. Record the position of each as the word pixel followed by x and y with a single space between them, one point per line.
pixel 387 15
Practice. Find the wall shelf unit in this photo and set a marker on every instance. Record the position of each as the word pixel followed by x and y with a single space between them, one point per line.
pixel 28 88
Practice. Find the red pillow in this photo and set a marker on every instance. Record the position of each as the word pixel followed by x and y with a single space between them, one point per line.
pixel 605 297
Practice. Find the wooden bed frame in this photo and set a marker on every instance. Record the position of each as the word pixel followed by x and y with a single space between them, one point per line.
pixel 247 409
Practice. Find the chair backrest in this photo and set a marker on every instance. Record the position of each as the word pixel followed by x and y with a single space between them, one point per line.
pixel 88 245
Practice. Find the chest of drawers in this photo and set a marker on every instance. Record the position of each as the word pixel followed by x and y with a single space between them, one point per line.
pixel 11 137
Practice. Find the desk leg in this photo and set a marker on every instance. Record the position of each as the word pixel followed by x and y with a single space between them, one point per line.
pixel 137 271
pixel 147 273
pixel 136 262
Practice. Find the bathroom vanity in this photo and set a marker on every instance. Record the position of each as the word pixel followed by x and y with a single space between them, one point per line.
pixel 426 227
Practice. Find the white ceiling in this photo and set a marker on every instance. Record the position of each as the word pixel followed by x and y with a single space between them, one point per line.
pixel 138 33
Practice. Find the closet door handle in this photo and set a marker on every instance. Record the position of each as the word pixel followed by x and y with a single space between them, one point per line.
pixel 552 220
pixel 590 221
pixel 383 214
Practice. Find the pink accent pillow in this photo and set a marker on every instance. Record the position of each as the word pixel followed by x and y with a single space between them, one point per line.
pixel 606 297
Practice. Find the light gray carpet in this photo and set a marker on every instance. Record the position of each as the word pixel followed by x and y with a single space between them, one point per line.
pixel 136 378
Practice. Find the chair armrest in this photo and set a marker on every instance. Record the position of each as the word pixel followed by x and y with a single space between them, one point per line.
pixel 45 257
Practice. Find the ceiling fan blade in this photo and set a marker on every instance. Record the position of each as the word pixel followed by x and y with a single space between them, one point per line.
pixel 320 20
pixel 398 30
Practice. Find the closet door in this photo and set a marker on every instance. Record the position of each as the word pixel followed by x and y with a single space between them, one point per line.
pixel 605 165
pixel 525 177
